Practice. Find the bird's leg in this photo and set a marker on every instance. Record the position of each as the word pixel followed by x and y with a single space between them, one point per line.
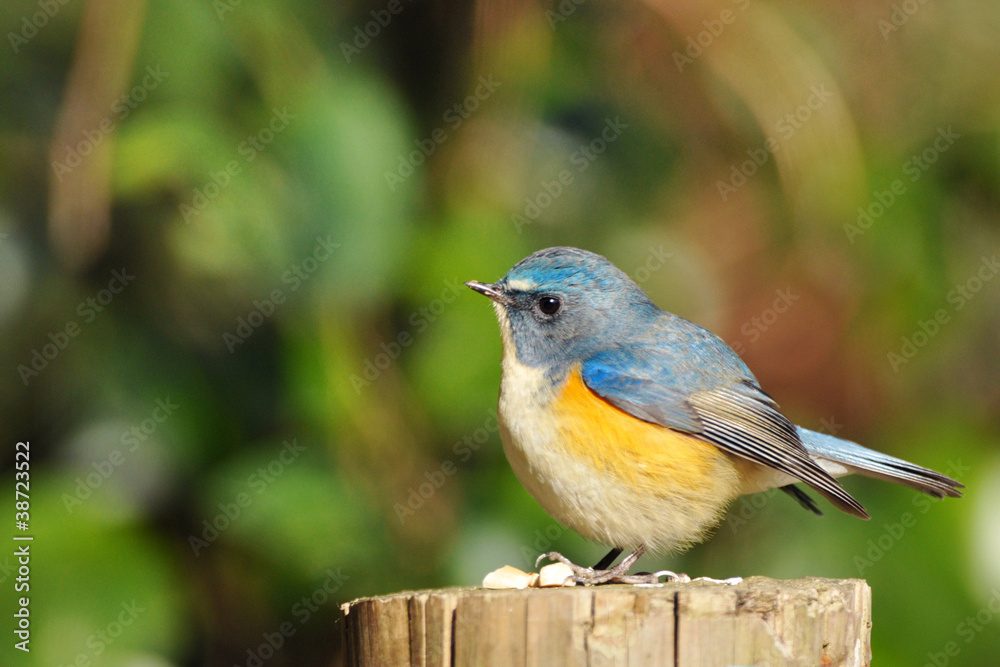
pixel 616 573
pixel 605 562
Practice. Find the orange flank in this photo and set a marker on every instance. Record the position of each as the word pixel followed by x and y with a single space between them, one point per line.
pixel 651 459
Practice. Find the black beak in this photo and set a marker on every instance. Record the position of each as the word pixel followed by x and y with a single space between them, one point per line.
pixel 491 291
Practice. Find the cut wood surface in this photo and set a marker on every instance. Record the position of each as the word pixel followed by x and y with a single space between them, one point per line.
pixel 807 622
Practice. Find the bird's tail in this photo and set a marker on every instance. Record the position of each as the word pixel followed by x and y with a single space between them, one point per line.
pixel 842 457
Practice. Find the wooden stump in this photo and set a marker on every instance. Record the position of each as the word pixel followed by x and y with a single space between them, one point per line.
pixel 762 622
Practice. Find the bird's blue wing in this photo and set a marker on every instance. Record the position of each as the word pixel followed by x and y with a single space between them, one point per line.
pixel 683 377
pixel 636 392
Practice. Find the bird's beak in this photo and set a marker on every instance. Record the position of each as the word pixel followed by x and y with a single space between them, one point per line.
pixel 492 291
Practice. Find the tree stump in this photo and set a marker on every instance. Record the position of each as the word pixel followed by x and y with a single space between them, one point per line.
pixel 807 622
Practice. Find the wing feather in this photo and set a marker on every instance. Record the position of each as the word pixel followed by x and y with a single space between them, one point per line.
pixel 720 403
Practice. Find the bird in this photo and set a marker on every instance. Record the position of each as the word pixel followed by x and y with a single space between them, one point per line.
pixel 637 428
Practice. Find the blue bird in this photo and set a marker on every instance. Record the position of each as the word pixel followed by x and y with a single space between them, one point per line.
pixel 636 427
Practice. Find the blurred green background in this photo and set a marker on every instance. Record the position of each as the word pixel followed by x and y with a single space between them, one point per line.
pixel 232 241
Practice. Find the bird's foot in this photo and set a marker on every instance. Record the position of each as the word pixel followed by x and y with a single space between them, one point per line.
pixel 589 576
pixel 618 574
pixel 580 573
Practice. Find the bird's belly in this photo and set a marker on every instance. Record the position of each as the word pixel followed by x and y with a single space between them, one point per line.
pixel 611 477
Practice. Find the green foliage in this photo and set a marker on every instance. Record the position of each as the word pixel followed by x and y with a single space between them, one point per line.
pixel 300 207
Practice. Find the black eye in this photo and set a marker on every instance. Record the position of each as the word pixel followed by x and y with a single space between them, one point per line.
pixel 549 305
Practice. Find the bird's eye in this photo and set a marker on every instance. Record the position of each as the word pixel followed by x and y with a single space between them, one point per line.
pixel 549 305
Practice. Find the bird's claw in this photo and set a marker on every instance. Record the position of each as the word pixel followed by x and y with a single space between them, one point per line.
pixel 558 557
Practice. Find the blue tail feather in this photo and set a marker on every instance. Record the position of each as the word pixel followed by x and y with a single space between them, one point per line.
pixel 864 461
